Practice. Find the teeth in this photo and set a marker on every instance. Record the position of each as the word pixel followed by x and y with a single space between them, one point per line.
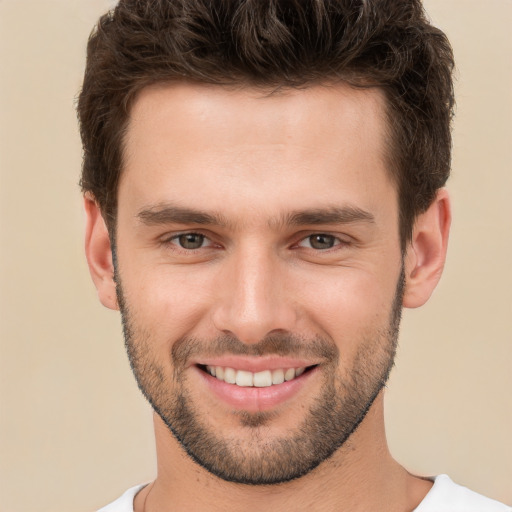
pixel 244 379
pixel 262 379
pixel 229 375
pixel 277 376
pixel 289 374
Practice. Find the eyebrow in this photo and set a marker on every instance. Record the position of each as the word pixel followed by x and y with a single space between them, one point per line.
pixel 330 215
pixel 171 214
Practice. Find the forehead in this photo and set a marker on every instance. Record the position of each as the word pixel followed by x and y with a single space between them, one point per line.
pixel 215 142
pixel 275 116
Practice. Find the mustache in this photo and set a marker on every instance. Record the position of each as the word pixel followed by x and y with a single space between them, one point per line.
pixel 280 344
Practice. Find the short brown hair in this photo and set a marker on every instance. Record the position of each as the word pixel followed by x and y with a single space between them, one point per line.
pixel 274 43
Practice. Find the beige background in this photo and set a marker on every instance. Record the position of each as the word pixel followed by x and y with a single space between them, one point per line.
pixel 74 430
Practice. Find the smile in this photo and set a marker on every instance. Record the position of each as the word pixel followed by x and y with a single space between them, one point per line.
pixel 262 379
pixel 255 384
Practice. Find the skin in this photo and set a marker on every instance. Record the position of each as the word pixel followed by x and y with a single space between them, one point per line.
pixel 254 159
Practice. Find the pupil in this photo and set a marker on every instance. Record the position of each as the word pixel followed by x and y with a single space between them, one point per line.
pixel 321 241
pixel 191 241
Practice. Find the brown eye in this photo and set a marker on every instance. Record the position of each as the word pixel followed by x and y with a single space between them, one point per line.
pixel 191 240
pixel 321 241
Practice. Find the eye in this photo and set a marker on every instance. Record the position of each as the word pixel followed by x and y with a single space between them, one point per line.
pixel 189 241
pixel 320 241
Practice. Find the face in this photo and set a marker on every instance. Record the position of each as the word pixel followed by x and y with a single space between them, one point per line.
pixel 258 270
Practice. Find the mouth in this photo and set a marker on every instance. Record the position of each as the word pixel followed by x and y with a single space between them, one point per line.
pixel 258 391
pixel 261 379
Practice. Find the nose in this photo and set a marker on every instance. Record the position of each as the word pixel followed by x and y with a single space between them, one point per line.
pixel 252 299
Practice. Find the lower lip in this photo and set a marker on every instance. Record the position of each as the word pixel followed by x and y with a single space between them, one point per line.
pixel 252 399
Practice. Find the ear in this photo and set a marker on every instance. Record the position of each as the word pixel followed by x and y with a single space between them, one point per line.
pixel 99 253
pixel 426 252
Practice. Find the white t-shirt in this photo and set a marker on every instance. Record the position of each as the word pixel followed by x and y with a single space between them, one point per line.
pixel 445 496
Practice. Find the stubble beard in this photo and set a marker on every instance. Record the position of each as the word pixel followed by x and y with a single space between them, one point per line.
pixel 337 412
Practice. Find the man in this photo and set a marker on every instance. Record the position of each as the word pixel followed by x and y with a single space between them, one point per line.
pixel 264 192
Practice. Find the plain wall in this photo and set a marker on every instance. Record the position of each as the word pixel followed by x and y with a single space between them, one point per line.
pixel 74 430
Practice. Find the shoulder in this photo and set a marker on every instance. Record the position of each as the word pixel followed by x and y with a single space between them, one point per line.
pixel 447 496
pixel 125 502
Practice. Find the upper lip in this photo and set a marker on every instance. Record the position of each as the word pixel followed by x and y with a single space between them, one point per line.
pixel 255 364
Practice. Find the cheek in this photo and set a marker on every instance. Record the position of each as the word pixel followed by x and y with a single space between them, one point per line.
pixel 164 302
pixel 350 305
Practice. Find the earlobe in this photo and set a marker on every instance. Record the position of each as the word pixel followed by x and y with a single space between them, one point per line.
pixel 99 253
pixel 426 252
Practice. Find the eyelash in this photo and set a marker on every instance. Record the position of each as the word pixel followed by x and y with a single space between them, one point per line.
pixel 336 241
pixel 174 240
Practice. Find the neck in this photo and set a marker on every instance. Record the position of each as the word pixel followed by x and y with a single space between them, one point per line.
pixel 360 476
